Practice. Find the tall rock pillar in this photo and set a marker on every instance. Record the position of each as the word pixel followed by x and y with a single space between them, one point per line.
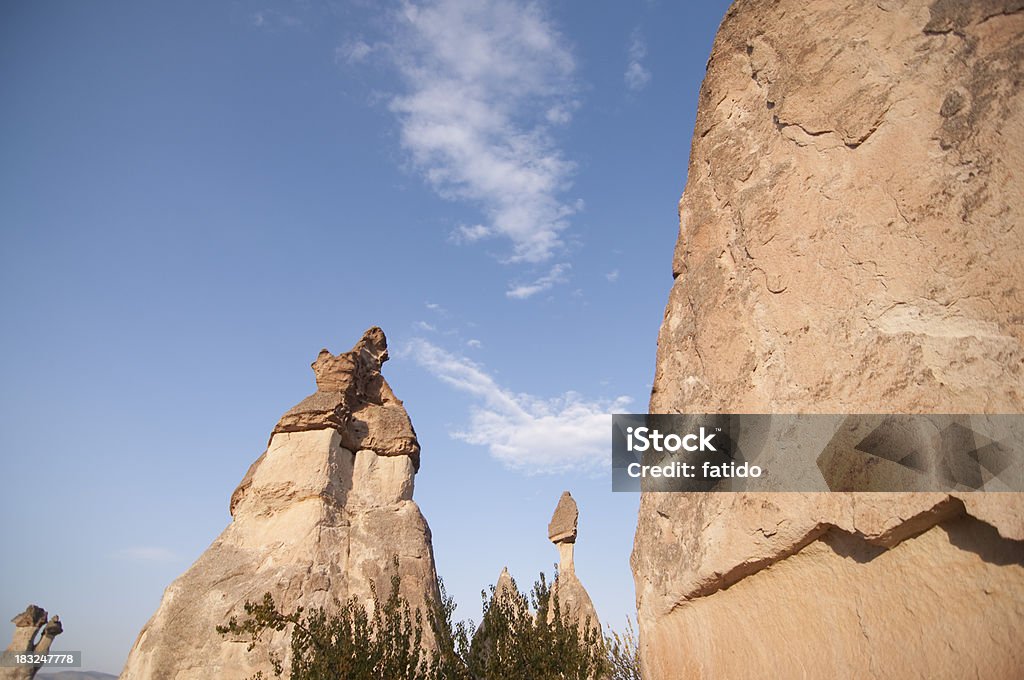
pixel 316 519
pixel 571 594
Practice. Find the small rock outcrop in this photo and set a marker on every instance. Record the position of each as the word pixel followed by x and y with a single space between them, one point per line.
pixel 315 520
pixel 572 596
pixel 850 242
pixel 505 588
pixel 33 634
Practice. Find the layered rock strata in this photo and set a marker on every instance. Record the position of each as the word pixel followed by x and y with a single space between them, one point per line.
pixel 572 596
pixel 316 520
pixel 850 242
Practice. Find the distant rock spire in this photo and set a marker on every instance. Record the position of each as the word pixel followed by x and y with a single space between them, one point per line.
pixel 562 531
pixel 27 625
pixel 572 596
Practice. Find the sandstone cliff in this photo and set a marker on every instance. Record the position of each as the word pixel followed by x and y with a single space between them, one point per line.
pixel 850 241
pixel 316 520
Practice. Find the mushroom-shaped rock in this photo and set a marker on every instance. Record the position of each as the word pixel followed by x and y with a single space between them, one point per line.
pixel 572 596
pixel 27 625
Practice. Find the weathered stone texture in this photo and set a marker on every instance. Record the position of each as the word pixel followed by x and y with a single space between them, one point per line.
pixel 562 527
pixel 314 523
pixel 354 398
pixel 850 241
pixel 573 598
pixel 33 634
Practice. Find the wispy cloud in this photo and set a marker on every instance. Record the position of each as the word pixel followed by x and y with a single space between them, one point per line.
pixel 474 343
pixel 637 76
pixel 146 553
pixel 424 326
pixel 463 234
pixel 557 274
pixel 273 19
pixel 612 276
pixel 524 432
pixel 353 51
pixel 485 80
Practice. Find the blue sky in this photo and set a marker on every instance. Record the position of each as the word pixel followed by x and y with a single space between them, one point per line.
pixel 196 197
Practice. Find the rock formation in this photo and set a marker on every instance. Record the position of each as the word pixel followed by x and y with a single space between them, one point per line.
pixel 850 242
pixel 505 588
pixel 27 626
pixel 572 596
pixel 316 519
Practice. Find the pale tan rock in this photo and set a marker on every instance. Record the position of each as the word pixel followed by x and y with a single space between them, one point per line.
pixel 574 600
pixel 313 524
pixel 506 598
pixel 505 588
pixel 33 634
pixel 354 398
pixel 26 626
pixel 382 480
pixel 849 243
pixel 572 596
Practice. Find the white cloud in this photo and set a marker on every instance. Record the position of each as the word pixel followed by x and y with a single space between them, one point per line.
pixel 558 115
pixel 612 276
pixel 272 19
pixel 353 52
pixel 522 431
pixel 146 553
pixel 424 326
pixel 464 234
pixel 435 307
pixel 474 343
pixel 485 81
pixel 636 75
pixel 546 282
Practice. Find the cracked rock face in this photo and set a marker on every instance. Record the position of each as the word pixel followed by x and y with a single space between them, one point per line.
pixel 316 519
pixel 849 243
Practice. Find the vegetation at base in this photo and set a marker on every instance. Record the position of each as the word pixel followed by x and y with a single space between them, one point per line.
pixel 531 637
pixel 623 654
pixel 519 637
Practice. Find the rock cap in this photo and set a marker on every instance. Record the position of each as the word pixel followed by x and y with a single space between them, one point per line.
pixel 353 398
pixel 32 617
pixel 562 528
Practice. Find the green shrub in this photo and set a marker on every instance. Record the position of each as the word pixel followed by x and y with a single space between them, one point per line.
pixel 520 637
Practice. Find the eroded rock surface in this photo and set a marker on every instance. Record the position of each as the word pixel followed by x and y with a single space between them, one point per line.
pixel 353 398
pixel 849 243
pixel 33 634
pixel 316 519
pixel 571 594
pixel 562 527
